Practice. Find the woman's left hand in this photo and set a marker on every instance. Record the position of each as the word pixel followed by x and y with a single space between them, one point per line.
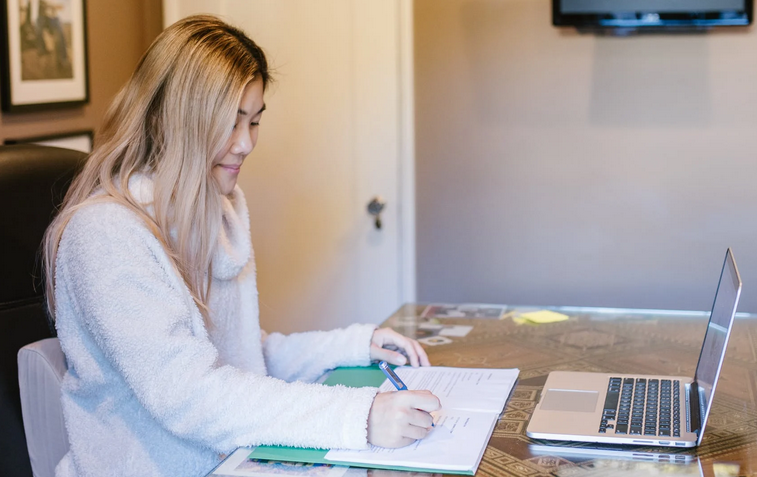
pixel 387 336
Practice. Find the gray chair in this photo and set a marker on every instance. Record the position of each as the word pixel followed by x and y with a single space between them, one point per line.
pixel 33 181
pixel 41 366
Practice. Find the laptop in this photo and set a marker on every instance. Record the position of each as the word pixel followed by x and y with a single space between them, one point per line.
pixel 594 451
pixel 644 410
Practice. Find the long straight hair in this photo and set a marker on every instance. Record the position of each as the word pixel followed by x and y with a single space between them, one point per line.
pixel 169 121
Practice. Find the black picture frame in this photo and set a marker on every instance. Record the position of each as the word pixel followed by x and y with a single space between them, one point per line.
pixel 44 54
pixel 70 140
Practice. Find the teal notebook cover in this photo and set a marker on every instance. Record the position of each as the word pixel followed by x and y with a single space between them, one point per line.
pixel 352 377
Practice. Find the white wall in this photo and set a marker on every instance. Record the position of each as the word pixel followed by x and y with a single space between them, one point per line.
pixel 556 168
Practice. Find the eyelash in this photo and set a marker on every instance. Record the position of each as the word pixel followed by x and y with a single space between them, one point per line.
pixel 251 124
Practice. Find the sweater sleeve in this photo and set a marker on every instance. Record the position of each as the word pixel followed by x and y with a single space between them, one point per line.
pixel 306 356
pixel 136 310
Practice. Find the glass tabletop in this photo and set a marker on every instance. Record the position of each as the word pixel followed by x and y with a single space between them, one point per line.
pixel 542 339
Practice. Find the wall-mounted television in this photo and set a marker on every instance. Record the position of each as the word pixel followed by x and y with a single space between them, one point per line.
pixel 651 14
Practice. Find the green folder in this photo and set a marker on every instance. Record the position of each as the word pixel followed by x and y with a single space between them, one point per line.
pixel 352 377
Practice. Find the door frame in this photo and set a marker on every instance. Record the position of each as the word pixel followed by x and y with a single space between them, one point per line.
pixel 406 156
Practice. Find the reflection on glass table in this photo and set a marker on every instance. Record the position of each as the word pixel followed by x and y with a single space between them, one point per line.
pixel 604 340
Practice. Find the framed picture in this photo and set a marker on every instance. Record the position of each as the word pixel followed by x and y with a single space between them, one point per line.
pixel 44 58
pixel 78 141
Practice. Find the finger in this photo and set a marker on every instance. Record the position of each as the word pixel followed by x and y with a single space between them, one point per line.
pixel 422 356
pixel 412 353
pixel 420 419
pixel 423 400
pixel 392 357
pixel 407 346
pixel 429 403
pixel 415 432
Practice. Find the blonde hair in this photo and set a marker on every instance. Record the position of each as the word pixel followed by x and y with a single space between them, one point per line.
pixel 169 121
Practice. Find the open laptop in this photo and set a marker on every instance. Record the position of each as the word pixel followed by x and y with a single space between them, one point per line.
pixel 642 410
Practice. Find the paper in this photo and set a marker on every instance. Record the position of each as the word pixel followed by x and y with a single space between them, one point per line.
pixel 434 333
pixel 240 464
pixel 476 381
pixel 471 389
pixel 472 400
pixel 457 331
pixel 463 311
pixel 540 317
pixel 456 443
pixel 431 326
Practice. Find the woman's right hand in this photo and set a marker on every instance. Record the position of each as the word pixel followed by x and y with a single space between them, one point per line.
pixel 399 418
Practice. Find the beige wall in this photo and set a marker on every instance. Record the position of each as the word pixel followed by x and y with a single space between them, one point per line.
pixel 118 33
pixel 556 168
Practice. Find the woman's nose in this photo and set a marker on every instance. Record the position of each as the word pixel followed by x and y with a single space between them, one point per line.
pixel 242 143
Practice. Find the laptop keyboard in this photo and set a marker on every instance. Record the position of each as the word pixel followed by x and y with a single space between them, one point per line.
pixel 642 407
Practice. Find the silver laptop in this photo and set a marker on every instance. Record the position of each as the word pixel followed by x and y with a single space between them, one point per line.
pixel 642 410
pixel 613 452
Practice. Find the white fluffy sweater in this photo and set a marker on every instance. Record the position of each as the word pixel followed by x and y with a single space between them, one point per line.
pixel 150 392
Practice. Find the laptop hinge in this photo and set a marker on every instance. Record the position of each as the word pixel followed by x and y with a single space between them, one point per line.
pixel 695 422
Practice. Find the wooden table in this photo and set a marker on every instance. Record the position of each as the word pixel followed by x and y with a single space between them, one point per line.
pixel 602 340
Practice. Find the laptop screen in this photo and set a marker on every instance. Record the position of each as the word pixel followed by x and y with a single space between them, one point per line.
pixel 718 330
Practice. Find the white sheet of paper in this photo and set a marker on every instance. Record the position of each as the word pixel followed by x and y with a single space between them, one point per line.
pixel 455 330
pixel 456 443
pixel 460 388
pixel 430 326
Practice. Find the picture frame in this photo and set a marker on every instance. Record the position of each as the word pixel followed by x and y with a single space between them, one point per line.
pixel 44 54
pixel 77 140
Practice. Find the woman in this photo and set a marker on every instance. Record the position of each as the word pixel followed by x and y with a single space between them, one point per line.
pixel 151 278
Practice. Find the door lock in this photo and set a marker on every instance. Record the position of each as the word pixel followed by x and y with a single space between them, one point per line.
pixel 375 206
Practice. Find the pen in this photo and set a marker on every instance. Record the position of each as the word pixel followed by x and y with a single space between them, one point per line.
pixel 392 377
pixel 395 380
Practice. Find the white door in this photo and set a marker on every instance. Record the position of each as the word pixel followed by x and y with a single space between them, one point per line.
pixel 336 133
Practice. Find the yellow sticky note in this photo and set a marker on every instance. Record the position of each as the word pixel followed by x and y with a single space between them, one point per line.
pixel 544 316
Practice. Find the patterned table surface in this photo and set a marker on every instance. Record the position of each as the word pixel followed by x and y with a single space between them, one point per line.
pixel 601 340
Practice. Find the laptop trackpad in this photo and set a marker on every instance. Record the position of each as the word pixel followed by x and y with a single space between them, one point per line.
pixel 573 400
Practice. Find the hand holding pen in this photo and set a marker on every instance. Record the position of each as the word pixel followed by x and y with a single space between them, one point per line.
pixel 397 419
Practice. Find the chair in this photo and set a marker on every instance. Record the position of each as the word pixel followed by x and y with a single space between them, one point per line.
pixel 33 181
pixel 41 366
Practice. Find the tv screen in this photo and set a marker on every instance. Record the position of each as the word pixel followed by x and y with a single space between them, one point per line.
pixel 651 13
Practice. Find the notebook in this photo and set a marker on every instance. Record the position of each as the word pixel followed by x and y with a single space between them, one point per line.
pixel 472 400
pixel 650 410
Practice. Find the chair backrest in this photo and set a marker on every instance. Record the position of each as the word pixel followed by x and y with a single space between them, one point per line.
pixel 41 366
pixel 33 181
